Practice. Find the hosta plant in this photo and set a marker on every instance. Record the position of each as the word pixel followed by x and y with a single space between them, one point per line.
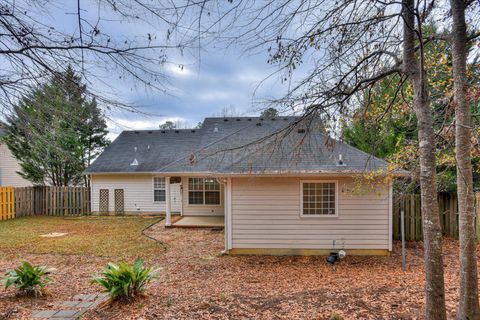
pixel 125 281
pixel 28 279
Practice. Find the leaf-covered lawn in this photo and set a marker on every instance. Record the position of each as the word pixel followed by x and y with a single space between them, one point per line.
pixel 119 237
pixel 198 282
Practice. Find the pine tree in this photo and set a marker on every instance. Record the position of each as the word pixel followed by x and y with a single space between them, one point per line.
pixel 55 131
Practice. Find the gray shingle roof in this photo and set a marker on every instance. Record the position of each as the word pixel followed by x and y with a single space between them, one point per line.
pixel 237 145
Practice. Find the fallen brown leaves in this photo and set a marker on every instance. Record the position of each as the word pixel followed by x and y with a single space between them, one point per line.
pixel 198 283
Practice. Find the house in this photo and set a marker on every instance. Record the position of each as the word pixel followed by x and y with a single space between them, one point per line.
pixel 282 186
pixel 9 167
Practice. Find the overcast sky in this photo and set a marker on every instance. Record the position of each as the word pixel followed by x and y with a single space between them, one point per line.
pixel 203 88
pixel 201 83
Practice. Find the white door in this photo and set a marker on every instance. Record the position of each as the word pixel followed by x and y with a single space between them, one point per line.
pixel 176 197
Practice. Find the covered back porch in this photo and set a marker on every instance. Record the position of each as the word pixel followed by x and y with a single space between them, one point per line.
pixel 203 201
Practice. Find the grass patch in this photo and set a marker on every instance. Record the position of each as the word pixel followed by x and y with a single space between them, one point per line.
pixel 98 236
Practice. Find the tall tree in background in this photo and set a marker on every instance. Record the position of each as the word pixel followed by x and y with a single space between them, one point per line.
pixel 385 124
pixel 167 125
pixel 269 113
pixel 55 132
pixel 468 302
pixel 414 69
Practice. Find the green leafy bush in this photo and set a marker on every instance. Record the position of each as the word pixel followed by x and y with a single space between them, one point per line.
pixel 124 281
pixel 28 279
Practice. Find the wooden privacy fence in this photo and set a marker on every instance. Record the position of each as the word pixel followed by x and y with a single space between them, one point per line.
pixel 411 206
pixel 52 201
pixel 7 204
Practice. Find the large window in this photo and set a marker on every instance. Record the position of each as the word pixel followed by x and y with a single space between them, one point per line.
pixel 158 189
pixel 319 198
pixel 203 191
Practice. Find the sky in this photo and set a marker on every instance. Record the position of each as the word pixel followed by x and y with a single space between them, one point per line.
pixel 201 83
pixel 201 88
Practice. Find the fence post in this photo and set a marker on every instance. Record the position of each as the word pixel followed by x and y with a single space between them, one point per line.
pixel 402 228
pixel 477 211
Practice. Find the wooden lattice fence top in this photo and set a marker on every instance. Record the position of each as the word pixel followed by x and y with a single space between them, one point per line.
pixel 104 203
pixel 119 201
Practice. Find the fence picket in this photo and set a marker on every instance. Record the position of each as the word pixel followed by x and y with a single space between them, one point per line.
pixel 411 205
pixel 39 200
pixel 7 199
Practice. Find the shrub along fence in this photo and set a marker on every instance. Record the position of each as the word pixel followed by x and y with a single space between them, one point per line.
pixel 411 206
pixel 51 201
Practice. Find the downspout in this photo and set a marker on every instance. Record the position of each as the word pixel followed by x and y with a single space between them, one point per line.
pixel 181 196
pixel 225 215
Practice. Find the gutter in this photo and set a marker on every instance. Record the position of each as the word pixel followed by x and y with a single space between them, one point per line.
pixel 248 174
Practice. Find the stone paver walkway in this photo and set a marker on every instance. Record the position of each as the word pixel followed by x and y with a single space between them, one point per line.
pixel 80 304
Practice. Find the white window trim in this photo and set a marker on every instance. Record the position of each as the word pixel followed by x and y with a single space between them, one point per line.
pixel 203 205
pixel 321 216
pixel 153 188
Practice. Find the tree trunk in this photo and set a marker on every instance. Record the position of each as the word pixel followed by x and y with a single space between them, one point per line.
pixel 468 303
pixel 432 235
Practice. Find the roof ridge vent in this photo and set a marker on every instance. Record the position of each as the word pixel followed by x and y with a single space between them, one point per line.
pixel 134 162
pixel 301 130
pixel 259 124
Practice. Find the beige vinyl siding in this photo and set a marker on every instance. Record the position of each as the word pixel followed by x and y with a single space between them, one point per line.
pixel 138 193
pixel 198 209
pixel 9 167
pixel 266 214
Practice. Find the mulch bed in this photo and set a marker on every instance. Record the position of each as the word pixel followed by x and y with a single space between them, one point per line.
pixel 197 282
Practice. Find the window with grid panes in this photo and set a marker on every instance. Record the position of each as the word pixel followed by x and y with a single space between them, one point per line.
pixel 205 191
pixel 159 189
pixel 319 198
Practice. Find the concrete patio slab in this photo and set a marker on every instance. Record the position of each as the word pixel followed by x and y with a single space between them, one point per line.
pixel 200 222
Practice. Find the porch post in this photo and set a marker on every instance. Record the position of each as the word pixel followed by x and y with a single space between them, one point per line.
pixel 225 214
pixel 228 219
pixel 168 206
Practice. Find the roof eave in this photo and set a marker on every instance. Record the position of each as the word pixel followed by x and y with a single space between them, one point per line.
pixel 252 173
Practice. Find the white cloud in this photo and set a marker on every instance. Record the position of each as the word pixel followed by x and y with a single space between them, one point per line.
pixel 178 70
pixel 215 95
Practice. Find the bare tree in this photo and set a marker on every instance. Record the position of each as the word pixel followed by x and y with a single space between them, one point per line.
pixel 352 45
pixel 34 45
pixel 468 302
pixel 229 111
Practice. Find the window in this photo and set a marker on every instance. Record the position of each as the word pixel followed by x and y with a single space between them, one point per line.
pixel 319 198
pixel 158 189
pixel 203 191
